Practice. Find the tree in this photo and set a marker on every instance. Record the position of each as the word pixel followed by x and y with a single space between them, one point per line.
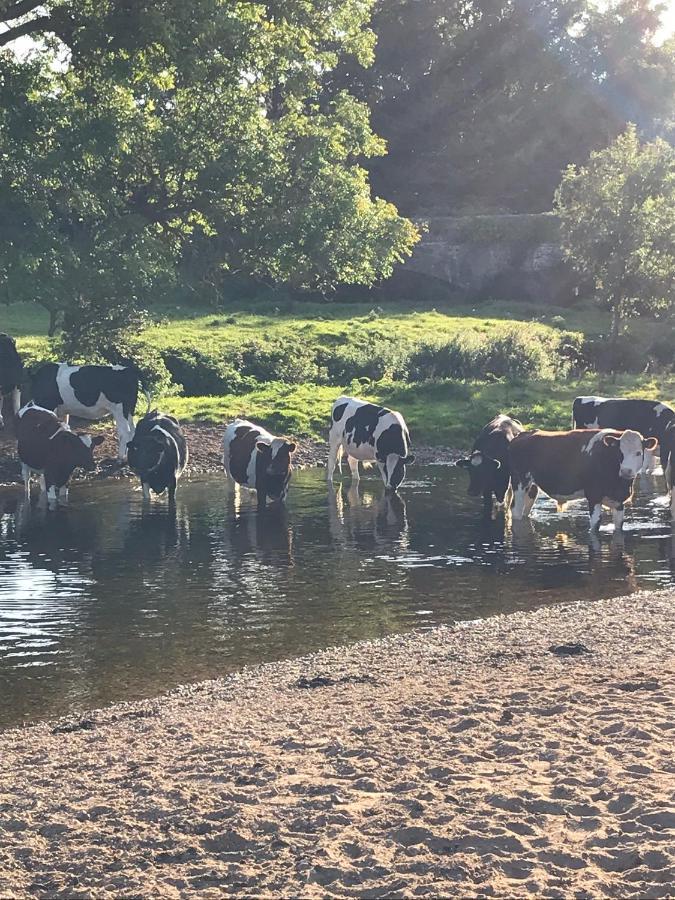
pixel 148 144
pixel 484 102
pixel 618 225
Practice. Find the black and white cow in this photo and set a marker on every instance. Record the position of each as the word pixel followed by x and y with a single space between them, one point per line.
pixel 91 392
pixel 488 462
pixel 255 459
pixel 649 417
pixel 48 448
pixel 369 433
pixel 158 453
pixel 11 374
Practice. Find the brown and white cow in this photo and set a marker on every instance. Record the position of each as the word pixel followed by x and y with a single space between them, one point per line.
pixel 257 460
pixel 49 448
pixel 598 464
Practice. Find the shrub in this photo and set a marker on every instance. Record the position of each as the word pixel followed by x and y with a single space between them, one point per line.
pixel 291 362
pixel 366 356
pixel 200 373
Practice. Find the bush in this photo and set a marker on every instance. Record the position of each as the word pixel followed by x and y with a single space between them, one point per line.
pixel 201 374
pixel 367 356
pixel 512 352
pixel 291 362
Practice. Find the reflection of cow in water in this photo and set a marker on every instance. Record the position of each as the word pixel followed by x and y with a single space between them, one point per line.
pixel 366 519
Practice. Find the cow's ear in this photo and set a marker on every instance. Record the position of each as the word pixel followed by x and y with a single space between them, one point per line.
pixel 611 440
pixel 650 443
pixel 463 463
pixel 262 447
pixel 292 446
pixel 409 460
pixel 97 440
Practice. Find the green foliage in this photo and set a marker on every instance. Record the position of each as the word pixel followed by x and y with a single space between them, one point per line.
pixel 618 223
pixel 483 104
pixel 184 142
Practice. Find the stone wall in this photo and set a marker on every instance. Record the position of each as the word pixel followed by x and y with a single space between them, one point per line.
pixel 497 256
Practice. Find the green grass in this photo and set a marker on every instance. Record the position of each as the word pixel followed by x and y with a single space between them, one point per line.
pixel 438 413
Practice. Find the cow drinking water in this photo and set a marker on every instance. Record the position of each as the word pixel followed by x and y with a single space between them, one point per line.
pixel 49 448
pixel 369 433
pixel 488 462
pixel 91 392
pixel 598 464
pixel 158 453
pixel 255 459
pixel 11 374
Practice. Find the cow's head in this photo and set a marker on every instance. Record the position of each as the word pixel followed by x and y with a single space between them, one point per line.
pixel 83 450
pixel 145 452
pixel 275 459
pixel 482 471
pixel 393 470
pixel 631 446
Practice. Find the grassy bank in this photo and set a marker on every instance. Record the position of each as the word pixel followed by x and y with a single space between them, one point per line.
pixel 283 366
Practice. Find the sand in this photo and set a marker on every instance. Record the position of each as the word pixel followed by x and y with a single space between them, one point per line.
pixel 525 755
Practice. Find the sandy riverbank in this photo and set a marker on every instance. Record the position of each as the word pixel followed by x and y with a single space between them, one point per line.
pixel 471 761
pixel 206 453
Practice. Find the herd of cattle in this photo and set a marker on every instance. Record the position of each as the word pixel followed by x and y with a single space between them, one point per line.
pixel 612 442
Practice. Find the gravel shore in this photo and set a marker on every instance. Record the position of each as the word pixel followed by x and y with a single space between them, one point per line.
pixel 524 755
pixel 205 443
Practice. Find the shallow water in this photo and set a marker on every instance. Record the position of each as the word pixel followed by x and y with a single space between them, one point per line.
pixel 112 599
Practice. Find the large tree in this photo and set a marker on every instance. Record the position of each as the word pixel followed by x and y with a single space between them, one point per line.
pixel 618 224
pixel 484 102
pixel 144 142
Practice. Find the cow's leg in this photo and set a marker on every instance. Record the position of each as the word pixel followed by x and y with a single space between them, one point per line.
pixel 25 474
pixel 52 499
pixel 335 450
pixel 62 416
pixel 123 434
pixel 16 400
pixel 63 495
pixel 487 503
pixel 672 503
pixel 262 498
pixel 354 469
pixel 2 403
pixel 595 510
pixel 618 516
pixel 172 492
pixel 146 490
pixel 524 494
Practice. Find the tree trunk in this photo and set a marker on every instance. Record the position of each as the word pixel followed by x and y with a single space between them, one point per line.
pixel 614 334
pixel 53 314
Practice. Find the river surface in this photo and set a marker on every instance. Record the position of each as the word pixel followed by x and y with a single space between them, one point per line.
pixel 113 599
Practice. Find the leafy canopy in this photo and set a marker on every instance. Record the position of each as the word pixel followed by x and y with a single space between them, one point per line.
pixel 146 144
pixel 618 224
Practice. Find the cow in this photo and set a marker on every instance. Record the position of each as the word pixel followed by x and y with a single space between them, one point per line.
pixel 256 459
pixel 488 462
pixel 48 447
pixel 649 417
pixel 158 453
pixel 668 457
pixel 369 433
pixel 91 392
pixel 599 464
pixel 11 374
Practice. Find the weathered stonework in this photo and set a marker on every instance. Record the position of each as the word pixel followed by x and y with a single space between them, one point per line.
pixel 497 256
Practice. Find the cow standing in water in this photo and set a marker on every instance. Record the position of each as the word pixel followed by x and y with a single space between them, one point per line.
pixel 158 453
pixel 668 457
pixel 598 464
pixel 488 462
pixel 48 448
pixel 367 432
pixel 648 417
pixel 91 392
pixel 11 375
pixel 255 459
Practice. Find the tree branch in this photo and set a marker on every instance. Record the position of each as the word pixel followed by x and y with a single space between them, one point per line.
pixel 14 10
pixel 42 23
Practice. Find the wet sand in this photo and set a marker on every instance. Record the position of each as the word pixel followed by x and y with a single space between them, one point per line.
pixel 525 755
